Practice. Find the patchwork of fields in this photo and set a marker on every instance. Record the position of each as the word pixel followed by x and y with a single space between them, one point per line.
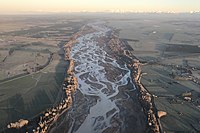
pixel 32 66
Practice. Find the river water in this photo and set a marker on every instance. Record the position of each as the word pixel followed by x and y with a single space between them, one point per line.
pixel 92 64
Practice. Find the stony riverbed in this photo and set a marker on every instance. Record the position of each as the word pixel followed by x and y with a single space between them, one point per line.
pixel 106 99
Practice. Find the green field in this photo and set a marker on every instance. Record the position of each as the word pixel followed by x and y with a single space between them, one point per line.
pixel 29 95
pixel 29 43
pixel 167 43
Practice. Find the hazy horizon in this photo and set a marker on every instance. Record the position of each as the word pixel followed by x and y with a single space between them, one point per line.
pixel 25 6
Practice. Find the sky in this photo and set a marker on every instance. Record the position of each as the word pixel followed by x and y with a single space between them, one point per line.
pixel 17 6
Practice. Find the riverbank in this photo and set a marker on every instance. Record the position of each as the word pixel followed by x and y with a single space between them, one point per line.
pixel 170 66
pixel 44 121
pixel 146 98
pixel 28 48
